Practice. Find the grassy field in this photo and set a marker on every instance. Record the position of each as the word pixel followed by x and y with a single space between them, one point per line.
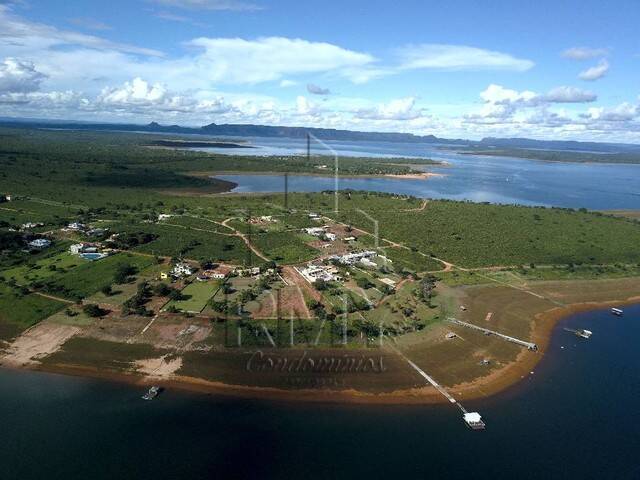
pixel 43 269
pixel 283 247
pixel 19 312
pixel 197 294
pixel 90 277
pixel 183 241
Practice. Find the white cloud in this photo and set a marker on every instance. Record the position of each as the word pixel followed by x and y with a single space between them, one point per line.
pixel 399 109
pixel 595 73
pixel 306 107
pixel 314 89
pixel 236 60
pixel 17 76
pixel 459 57
pixel 621 113
pixel 584 53
pixel 137 91
pixel 288 83
pixel 209 4
pixel 36 37
pixel 569 95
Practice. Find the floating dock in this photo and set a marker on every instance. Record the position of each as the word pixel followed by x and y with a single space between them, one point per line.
pixel 529 345
pixel 617 311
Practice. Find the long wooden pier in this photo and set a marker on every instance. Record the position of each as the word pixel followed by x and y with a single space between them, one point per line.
pixel 529 345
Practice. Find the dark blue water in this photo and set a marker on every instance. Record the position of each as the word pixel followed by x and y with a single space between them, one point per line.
pixel 575 417
pixel 467 177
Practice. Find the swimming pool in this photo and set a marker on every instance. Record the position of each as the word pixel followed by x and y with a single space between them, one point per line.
pixel 93 256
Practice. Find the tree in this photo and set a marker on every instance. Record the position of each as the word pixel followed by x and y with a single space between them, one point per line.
pixel 94 310
pixel 320 284
pixel 123 272
pixel 107 290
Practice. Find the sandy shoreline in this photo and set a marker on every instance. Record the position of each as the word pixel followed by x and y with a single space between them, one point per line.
pixel 494 383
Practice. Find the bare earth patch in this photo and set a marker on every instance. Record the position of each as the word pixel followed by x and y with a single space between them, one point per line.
pixel 37 342
pixel 159 367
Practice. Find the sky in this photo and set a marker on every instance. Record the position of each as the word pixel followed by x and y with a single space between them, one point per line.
pixel 456 69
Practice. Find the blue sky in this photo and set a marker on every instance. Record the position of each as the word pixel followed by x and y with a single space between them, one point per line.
pixel 540 69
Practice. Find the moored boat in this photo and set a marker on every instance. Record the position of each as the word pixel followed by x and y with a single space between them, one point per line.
pixel 617 311
pixel 152 393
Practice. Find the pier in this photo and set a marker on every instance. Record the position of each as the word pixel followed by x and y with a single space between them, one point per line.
pixel 529 345
pixel 472 419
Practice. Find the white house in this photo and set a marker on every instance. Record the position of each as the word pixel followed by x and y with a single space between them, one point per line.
pixel 76 226
pixel 40 243
pixel 181 270
pixel 330 236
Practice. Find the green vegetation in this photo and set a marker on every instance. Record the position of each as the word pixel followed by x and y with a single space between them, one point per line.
pixel 20 310
pixel 194 297
pixel 91 277
pixel 283 247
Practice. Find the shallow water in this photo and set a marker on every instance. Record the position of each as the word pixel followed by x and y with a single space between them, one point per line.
pixel 576 416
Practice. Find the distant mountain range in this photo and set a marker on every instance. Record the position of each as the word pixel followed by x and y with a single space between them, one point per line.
pixel 249 130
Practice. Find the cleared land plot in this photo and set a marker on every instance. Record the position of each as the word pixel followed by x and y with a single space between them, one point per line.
pixel 90 277
pixel 196 294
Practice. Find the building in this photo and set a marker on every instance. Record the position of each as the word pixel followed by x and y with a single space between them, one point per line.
pixel 315 231
pixel 350 239
pixel 76 226
pixel 320 272
pixel 353 258
pixel 164 216
pixel 330 236
pixel 28 225
pixel 39 243
pixel 365 262
pixel 77 248
pixel 181 270
pixel 247 272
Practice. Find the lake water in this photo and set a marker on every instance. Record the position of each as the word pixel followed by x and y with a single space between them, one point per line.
pixel 575 417
pixel 467 177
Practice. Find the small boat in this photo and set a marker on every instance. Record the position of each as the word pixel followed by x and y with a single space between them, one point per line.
pixel 584 333
pixel 580 333
pixel 617 311
pixel 474 420
pixel 152 393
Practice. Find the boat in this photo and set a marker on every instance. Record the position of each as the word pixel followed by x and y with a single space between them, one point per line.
pixel 584 333
pixel 474 420
pixel 152 393
pixel 617 311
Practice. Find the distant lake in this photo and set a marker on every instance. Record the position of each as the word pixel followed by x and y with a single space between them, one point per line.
pixel 576 416
pixel 467 177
